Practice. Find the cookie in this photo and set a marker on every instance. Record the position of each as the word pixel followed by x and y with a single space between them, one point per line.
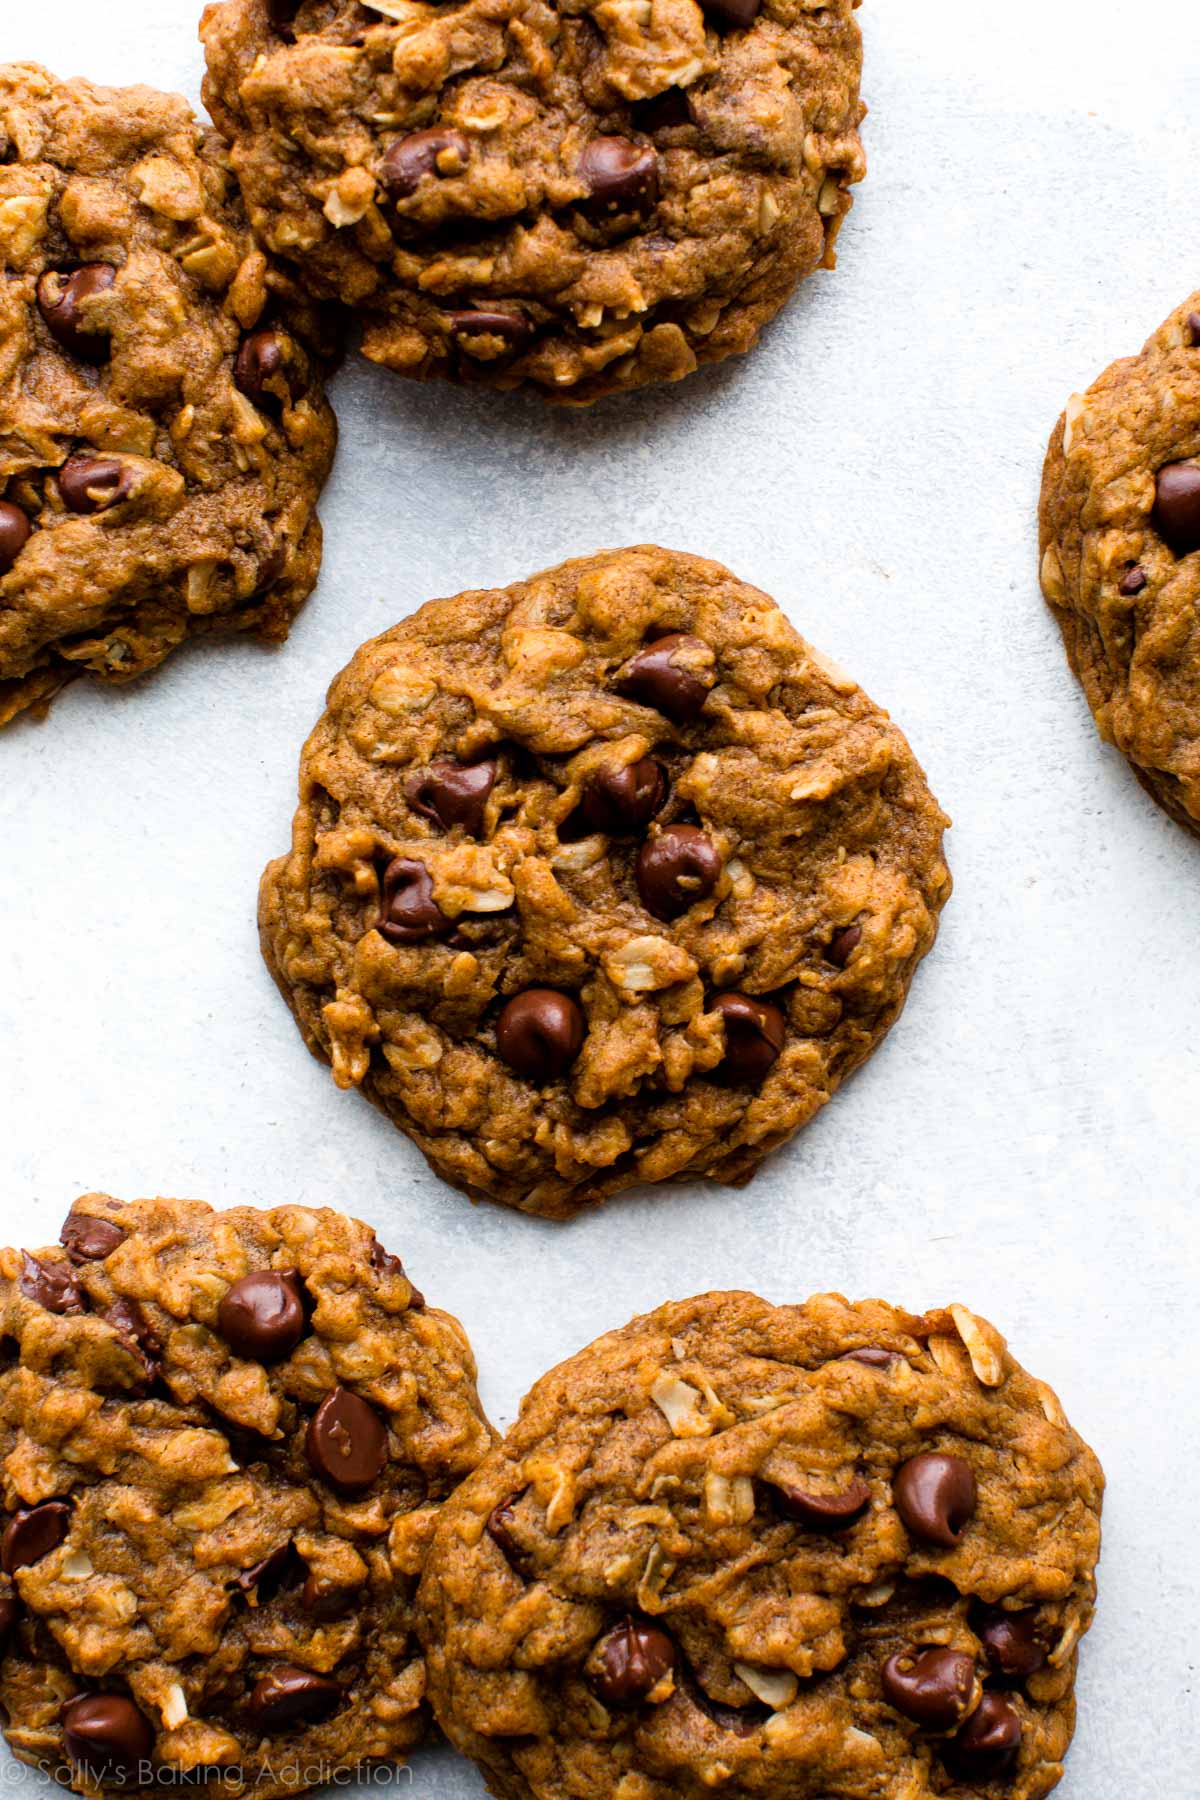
pixel 822 1551
pixel 602 878
pixel 224 1437
pixel 1120 528
pixel 163 434
pixel 572 198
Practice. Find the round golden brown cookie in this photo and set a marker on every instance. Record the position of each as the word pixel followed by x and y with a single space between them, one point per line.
pixel 225 1438
pixel 1120 533
pixel 600 879
pixel 819 1552
pixel 577 198
pixel 163 435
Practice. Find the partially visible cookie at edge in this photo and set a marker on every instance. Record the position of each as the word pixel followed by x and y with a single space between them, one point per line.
pixel 825 1551
pixel 600 879
pixel 224 1438
pixel 163 431
pixel 578 199
pixel 1120 556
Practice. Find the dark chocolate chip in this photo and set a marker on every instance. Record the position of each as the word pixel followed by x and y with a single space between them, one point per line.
pixel 282 1568
pixel 1132 582
pixel 290 1696
pixel 754 1035
pixel 843 944
pixel 660 676
pixel 739 13
pixel 439 151
pixel 872 1355
pixel 89 484
pixel 987 1745
pixel 453 793
pixel 500 1529
pixel 1193 325
pixel 1011 1643
pixel 474 322
pixel 1176 515
pixel 51 1285
pixel 107 1735
pixel 347 1441
pixel 390 1265
pixel 540 1033
pixel 33 1532
pixel 621 176
pixel 934 1688
pixel 824 1512
pixel 675 869
pixel 62 297
pixel 935 1496
pixel 662 111
pixel 622 800
pixel 88 1239
pixel 266 372
pixel 408 912
pixel 323 1602
pixel 14 534
pixel 629 1662
pixel 127 1317
pixel 261 1317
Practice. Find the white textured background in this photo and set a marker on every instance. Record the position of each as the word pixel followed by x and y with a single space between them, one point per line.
pixel 1028 1140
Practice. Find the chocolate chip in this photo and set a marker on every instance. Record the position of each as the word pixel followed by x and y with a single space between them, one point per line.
pixel 988 1743
pixel 824 1512
pixel 264 369
pixel 1193 325
pixel 88 1239
pixel 754 1035
pixel 1176 515
pixel 514 328
pixel 935 1496
pixel 733 12
pixel 282 14
pixel 621 176
pixel 261 1317
pixel 127 1317
pixel 14 534
pixel 408 912
pixel 1011 1643
pixel 660 676
pixel 622 800
pixel 321 1601
pixel 266 1579
pixel 89 484
pixel 33 1532
pixel 347 1441
pixel 291 1696
pixel 872 1355
pixel 540 1033
pixel 843 944
pixel 1132 582
pixel 10 1609
pixel 661 112
pixel 934 1688
pixel 676 869
pixel 51 1285
pixel 107 1735
pixel 499 1528
pixel 62 299
pixel 453 793
pixel 438 151
pixel 390 1265
pixel 629 1662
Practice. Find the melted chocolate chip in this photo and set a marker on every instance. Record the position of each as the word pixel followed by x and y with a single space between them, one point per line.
pixel 1011 1643
pixel 51 1285
pixel 321 1601
pixel 1193 326
pixel 843 944
pixel 347 1442
pixel 755 1031
pixel 33 1532
pixel 675 869
pixel 629 1662
pixel 501 1521
pixel 620 801
pixel 987 1745
pixel 873 1355
pixel 738 13
pixel 261 1317
pixel 282 1568
pixel 824 1512
pixel 540 1033
pixel 14 534
pixel 290 1696
pixel 1176 515
pixel 661 676
pixel 89 484
pixel 453 793
pixel 265 371
pixel 408 913
pixel 62 300
pixel 621 176
pixel 390 1265
pixel 934 1688
pixel 88 1239
pixel 935 1496
pixel 1132 582
pixel 476 322
pixel 127 1317
pixel 440 151
pixel 107 1735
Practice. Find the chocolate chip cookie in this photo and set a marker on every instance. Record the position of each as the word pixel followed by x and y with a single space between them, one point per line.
pixel 225 1437
pixel 603 878
pixel 822 1551
pixel 163 435
pixel 577 196
pixel 1120 532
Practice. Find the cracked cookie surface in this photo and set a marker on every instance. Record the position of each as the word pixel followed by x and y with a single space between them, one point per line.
pixel 163 432
pixel 578 197
pixel 827 1552
pixel 224 1438
pixel 1120 548
pixel 602 878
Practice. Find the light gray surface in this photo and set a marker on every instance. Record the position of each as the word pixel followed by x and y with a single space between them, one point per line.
pixel 1028 1139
